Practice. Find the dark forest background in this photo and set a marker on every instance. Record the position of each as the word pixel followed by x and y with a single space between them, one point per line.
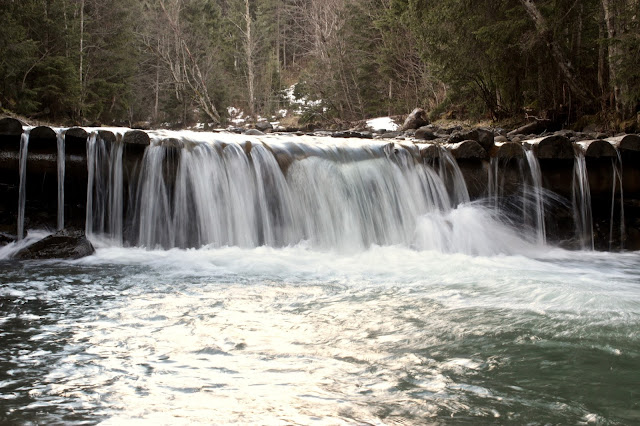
pixel 182 61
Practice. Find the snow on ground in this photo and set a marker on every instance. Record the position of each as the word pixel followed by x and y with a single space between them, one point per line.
pixel 382 123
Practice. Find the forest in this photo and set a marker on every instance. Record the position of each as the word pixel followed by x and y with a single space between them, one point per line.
pixel 177 62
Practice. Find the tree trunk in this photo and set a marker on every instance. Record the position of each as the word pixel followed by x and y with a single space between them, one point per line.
pixel 556 51
pixel 613 54
pixel 249 51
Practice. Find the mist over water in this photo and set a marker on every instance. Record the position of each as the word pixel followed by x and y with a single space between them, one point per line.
pixel 359 287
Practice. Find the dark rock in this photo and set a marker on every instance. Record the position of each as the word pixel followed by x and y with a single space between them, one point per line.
pixel 264 126
pixel 425 133
pixel 10 127
pixel 486 138
pixel 136 137
pixel 554 146
pixel 459 136
pixel 535 127
pixel 253 132
pixel 626 142
pixel 509 150
pixel 6 238
pixel 598 148
pixel 429 151
pixel 501 139
pixel 65 244
pixel 416 119
pixel 467 149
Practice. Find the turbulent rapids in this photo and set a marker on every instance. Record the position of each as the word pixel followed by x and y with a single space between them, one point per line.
pixel 299 279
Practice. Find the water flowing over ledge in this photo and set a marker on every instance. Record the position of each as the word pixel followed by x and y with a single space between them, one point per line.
pixel 162 189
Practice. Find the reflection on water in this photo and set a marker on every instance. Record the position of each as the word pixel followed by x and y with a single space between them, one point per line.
pixel 301 336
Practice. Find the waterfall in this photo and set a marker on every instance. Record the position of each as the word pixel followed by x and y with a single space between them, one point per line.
pixel 533 199
pixel 104 210
pixel 273 192
pixel 61 166
pixel 493 184
pixel 22 192
pixel 616 167
pixel 581 201
pixel 451 175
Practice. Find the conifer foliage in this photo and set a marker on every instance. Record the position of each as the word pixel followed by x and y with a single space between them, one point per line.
pixel 182 61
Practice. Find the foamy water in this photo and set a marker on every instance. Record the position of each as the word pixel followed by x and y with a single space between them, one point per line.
pixel 299 335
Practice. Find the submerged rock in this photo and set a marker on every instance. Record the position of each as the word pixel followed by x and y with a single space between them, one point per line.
pixel 64 244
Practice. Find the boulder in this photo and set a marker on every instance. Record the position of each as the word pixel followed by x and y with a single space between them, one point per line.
pixel 598 148
pixel 264 126
pixel 416 119
pixel 507 150
pixel 253 132
pixel 626 142
pixel 10 127
pixel 553 146
pixel 468 149
pixel 425 133
pixel 484 137
pixel 65 244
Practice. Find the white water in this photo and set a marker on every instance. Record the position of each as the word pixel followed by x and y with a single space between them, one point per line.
pixel 356 288
pixel 581 200
pixel 533 199
pixel 61 169
pixel 22 191
pixel 616 167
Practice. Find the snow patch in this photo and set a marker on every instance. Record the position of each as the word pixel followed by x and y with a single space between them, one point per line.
pixel 382 123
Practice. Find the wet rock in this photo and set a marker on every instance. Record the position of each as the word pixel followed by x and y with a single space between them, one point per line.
pixel 598 148
pixel 65 244
pixel 264 126
pixel 468 149
pixel 501 139
pixel 426 133
pixel 416 119
pixel 553 146
pixel 253 132
pixel 429 151
pixel 509 150
pixel 10 127
pixel 486 138
pixel 626 142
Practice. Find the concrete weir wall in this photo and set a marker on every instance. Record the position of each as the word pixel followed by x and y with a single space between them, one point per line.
pixel 612 164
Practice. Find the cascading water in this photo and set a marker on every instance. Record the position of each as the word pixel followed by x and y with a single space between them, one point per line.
pixel 22 191
pixel 61 168
pixel 616 167
pixel 224 197
pixel 533 199
pixel 105 204
pixel 581 200
pixel 279 191
pixel 334 282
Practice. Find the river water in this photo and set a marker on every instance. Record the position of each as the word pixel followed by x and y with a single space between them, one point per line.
pixel 286 281
pixel 301 335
